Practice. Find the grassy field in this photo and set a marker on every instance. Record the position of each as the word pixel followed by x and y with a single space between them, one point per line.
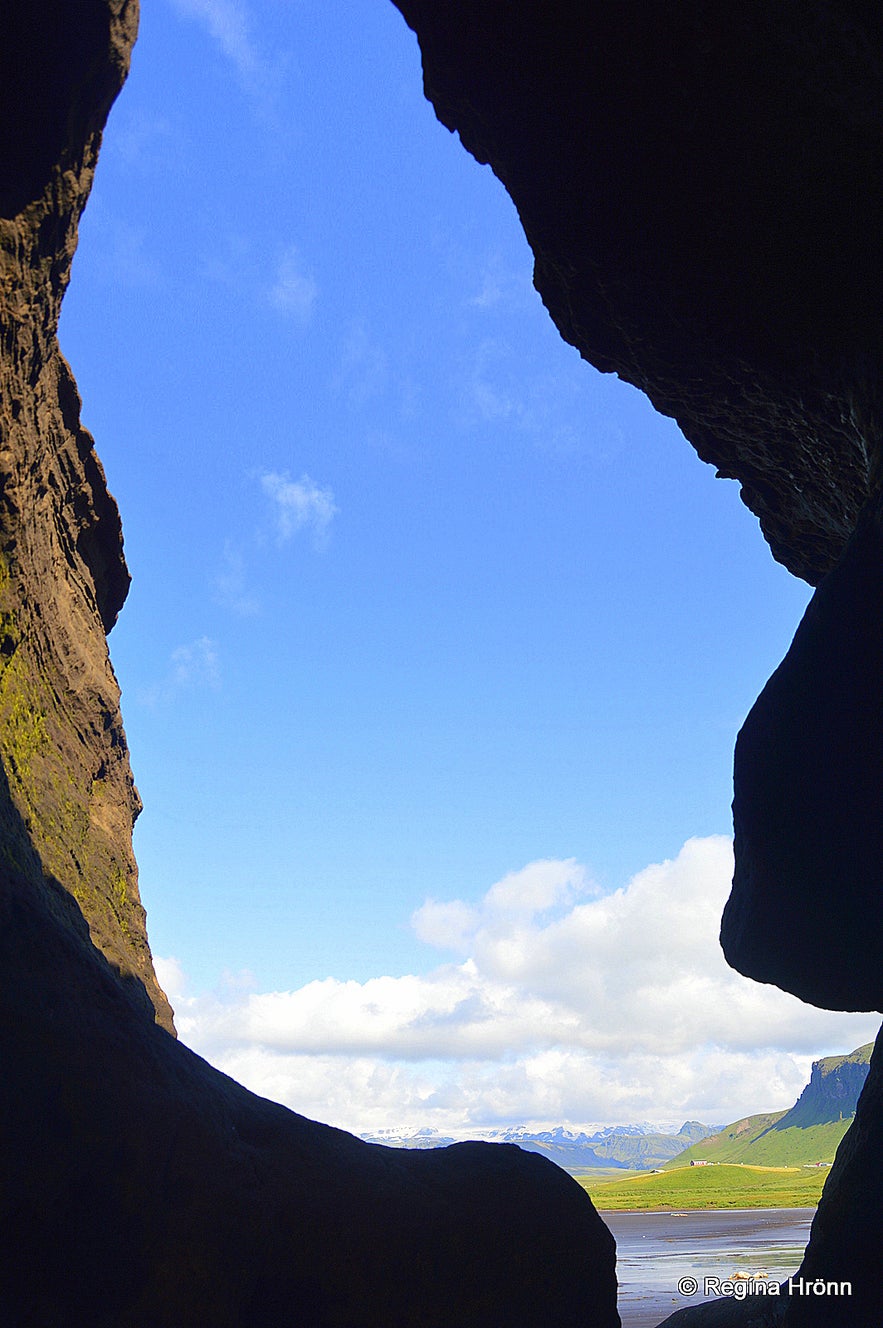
pixel 589 1177
pixel 722 1186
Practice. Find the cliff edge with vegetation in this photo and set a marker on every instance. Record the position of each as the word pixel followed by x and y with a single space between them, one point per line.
pixel 809 1132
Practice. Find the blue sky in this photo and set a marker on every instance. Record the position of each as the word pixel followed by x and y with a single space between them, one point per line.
pixel 424 609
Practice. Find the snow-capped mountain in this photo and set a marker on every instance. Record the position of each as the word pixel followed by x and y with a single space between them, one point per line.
pixel 637 1146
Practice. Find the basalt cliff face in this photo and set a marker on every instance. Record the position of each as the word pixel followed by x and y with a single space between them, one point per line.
pixel 67 802
pixel 139 1187
pixel 834 1088
pixel 702 188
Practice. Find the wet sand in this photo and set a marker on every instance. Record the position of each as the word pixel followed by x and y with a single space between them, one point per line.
pixel 656 1250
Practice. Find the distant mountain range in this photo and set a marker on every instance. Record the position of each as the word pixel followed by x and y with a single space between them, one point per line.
pixel 621 1146
pixel 808 1133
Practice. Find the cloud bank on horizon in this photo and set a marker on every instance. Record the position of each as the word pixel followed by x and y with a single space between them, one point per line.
pixel 554 1004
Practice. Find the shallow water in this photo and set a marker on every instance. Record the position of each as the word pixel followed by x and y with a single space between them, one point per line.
pixel 655 1250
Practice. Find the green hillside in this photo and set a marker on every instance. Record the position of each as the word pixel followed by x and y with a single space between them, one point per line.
pixel 724 1186
pixel 731 1144
pixel 758 1141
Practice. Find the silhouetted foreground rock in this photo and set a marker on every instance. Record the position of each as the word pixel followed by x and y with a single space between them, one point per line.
pixel 701 185
pixel 727 1312
pixel 139 1188
pixel 844 1246
pixel 702 188
pixel 844 1241
pixel 806 911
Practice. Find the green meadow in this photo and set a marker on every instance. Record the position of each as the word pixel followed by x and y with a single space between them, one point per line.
pixel 718 1186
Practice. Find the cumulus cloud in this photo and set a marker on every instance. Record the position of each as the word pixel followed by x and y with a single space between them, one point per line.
pixel 299 505
pixel 170 976
pixel 562 1005
pixel 293 291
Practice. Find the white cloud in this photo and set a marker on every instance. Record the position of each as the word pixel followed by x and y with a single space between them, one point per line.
pixel 495 392
pixel 170 976
pixel 363 374
pixel 126 258
pixel 196 664
pixel 259 66
pixel 382 390
pixel 139 140
pixel 231 584
pixel 447 926
pixel 192 667
pixel 537 888
pixel 504 287
pixel 299 505
pixel 293 291
pixel 229 24
pixel 502 390
pixel 565 1008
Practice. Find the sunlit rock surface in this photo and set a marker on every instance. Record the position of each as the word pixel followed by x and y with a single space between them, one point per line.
pixel 139 1188
pixel 67 800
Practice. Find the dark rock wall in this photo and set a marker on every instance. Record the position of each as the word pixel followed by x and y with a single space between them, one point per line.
pixel 845 1239
pixel 806 911
pixel 701 188
pixel 139 1188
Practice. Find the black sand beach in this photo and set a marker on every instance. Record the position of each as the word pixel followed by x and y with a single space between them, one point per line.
pixel 656 1250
